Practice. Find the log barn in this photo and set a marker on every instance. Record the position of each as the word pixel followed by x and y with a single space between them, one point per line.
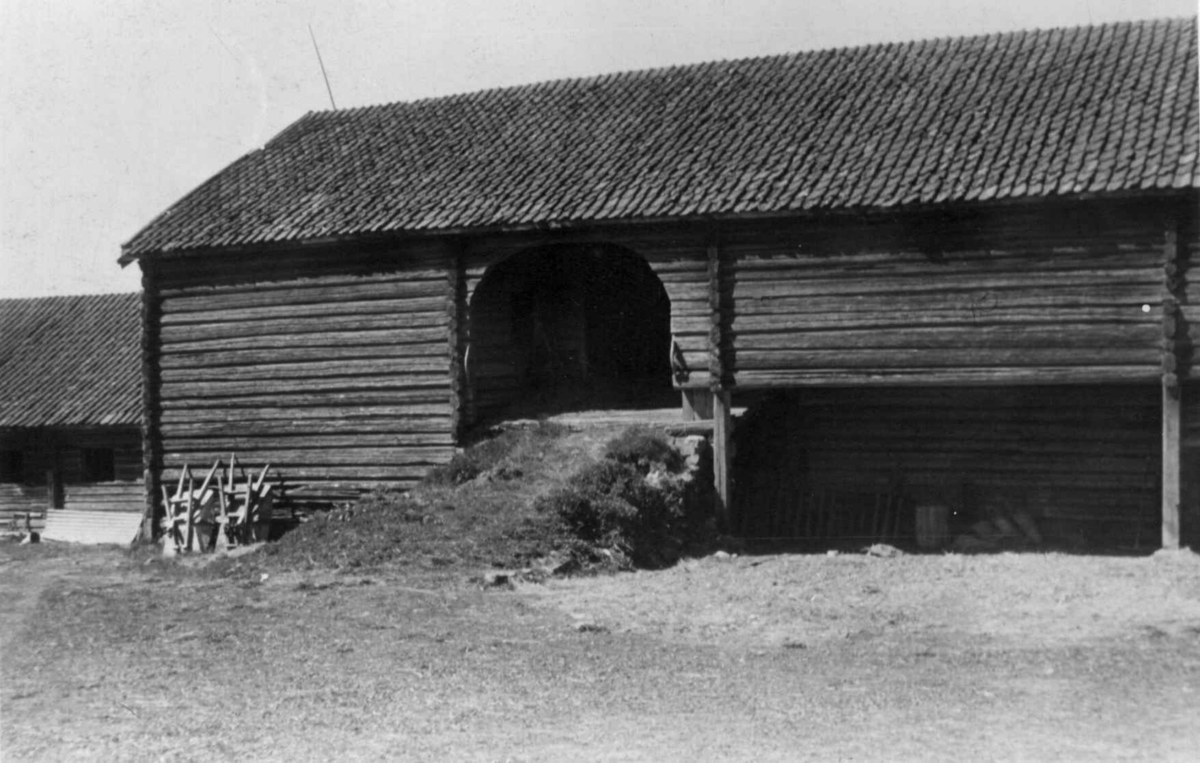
pixel 952 269
pixel 70 412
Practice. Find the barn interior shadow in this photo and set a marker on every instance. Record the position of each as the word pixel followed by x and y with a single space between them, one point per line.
pixel 966 470
pixel 569 328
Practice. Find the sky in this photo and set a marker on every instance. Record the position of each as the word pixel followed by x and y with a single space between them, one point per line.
pixel 111 111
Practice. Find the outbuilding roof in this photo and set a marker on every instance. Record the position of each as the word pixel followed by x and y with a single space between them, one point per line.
pixel 70 361
pixel 1101 109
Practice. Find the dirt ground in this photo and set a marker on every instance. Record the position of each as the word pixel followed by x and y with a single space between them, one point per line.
pixel 107 656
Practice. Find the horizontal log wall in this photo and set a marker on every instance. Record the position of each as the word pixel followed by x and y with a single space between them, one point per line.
pixel 332 366
pixel 16 500
pixel 1032 295
pixel 125 443
pixel 1081 459
pixel 62 448
pixel 104 496
pixel 681 262
pixel 494 371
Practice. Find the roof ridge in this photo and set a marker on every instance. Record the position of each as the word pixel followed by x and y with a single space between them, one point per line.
pixel 672 68
pixel 1095 109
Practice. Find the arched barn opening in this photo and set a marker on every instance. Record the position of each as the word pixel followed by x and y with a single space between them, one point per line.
pixel 568 327
pixel 1063 466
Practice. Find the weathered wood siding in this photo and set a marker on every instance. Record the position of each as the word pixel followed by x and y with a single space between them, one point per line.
pixel 1030 295
pixel 1191 415
pixel 1190 462
pixel 680 260
pixel 1081 459
pixel 62 449
pixel 333 366
pixel 19 499
pixel 104 496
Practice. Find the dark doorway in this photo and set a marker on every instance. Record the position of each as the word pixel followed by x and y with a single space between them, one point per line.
pixel 569 327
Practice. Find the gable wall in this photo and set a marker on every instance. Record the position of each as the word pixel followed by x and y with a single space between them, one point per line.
pixel 332 366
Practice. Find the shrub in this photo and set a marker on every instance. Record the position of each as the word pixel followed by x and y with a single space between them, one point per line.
pixel 592 517
pixel 644 448
pixel 616 512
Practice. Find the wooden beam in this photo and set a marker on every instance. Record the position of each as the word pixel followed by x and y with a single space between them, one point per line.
pixel 697 404
pixel 151 319
pixel 54 485
pixel 456 298
pixel 722 461
pixel 717 323
pixel 1173 343
pixel 1172 473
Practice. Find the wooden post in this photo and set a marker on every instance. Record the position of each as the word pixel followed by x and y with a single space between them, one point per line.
pixel 456 298
pixel 1172 474
pixel 722 423
pixel 716 331
pixel 697 404
pixel 1173 346
pixel 151 409
pixel 54 484
pixel 719 394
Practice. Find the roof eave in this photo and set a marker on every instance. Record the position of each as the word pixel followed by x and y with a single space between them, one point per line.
pixel 553 226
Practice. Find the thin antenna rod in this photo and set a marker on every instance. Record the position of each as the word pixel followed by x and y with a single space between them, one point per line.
pixel 322 63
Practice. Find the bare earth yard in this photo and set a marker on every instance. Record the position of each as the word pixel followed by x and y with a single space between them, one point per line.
pixel 1004 657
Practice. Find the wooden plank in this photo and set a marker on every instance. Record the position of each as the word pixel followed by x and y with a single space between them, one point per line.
pixel 1171 468
pixel 457 336
pixel 881 359
pixel 1025 264
pixel 421 316
pixel 716 335
pixel 964 286
pixel 722 461
pixel 331 423
pixel 360 341
pixel 1001 253
pixel 979 303
pixel 697 404
pixel 431 397
pixel 350 475
pixel 273 413
pixel 371 456
pixel 219 357
pixel 1173 347
pixel 364 295
pixel 1102 320
pixel 239 439
pixel 1062 335
pixel 263 272
pixel 413 383
pixel 90 528
pixel 942 376
pixel 396 369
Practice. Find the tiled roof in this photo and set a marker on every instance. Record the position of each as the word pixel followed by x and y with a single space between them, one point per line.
pixel 70 361
pixel 1100 109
